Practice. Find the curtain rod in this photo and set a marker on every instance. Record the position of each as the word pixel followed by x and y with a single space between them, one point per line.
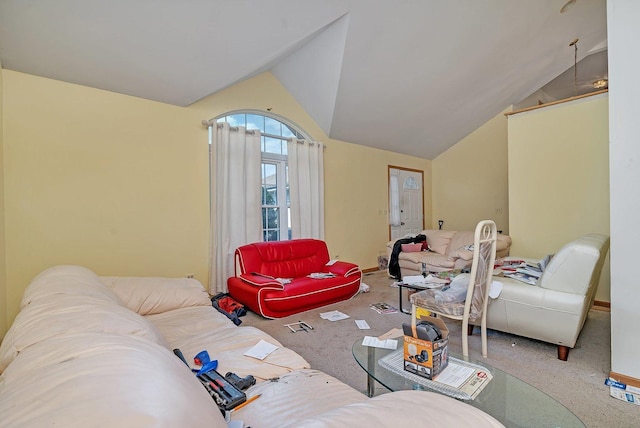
pixel 209 123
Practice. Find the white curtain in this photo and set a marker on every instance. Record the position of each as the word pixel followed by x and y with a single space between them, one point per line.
pixel 306 188
pixel 394 198
pixel 236 217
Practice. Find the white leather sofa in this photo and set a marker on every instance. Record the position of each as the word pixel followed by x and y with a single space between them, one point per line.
pixel 86 351
pixel 555 309
pixel 448 250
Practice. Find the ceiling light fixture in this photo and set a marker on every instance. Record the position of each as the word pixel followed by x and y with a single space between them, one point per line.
pixel 574 43
pixel 600 84
pixel 568 5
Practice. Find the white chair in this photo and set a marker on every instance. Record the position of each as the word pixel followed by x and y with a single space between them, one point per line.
pixel 474 306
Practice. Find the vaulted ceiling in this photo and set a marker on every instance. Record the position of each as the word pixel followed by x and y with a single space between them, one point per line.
pixel 411 76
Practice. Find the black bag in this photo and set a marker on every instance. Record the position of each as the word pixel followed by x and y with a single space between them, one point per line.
pixel 227 305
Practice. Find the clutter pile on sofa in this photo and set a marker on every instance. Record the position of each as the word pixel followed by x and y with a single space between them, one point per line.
pixel 98 351
pixel 439 251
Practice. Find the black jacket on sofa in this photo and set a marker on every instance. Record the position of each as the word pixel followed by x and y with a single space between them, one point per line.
pixel 394 266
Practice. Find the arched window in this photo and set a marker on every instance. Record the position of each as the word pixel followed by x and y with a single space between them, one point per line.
pixel 275 130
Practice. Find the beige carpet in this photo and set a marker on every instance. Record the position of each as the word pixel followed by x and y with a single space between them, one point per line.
pixel 577 383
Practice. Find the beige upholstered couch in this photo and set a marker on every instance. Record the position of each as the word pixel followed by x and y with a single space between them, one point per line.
pixel 86 351
pixel 555 309
pixel 448 250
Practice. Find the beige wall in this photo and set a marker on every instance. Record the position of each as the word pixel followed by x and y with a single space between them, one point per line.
pixel 120 184
pixel 470 180
pixel 559 177
pixel 4 318
pixel 111 182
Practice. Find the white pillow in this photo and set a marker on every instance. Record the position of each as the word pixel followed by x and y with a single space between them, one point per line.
pixel 150 295
pixel 67 281
pixel 70 315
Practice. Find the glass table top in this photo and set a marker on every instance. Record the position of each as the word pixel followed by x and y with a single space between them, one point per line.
pixel 508 399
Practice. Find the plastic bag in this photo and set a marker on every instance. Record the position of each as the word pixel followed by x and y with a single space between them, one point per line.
pixel 456 292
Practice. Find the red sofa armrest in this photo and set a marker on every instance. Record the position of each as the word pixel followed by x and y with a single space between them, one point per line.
pixel 342 268
pixel 260 280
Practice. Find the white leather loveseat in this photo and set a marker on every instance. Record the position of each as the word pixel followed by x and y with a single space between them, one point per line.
pixel 555 309
pixel 86 351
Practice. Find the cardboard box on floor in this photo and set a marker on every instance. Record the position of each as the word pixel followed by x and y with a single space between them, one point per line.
pixel 424 357
pixel 622 391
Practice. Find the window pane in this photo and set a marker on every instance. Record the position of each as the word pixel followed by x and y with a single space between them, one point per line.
pixel 264 218
pixel 272 126
pixel 269 184
pixel 272 145
pixel 271 235
pixel 255 121
pixel 237 119
pixel 288 132
pixel 273 218
pixel 286 173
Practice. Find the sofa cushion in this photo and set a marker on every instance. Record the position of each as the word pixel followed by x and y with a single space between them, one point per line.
pixel 103 380
pixel 149 295
pixel 69 315
pixel 211 331
pixel 503 243
pixel 459 245
pixel 283 259
pixel 447 412
pixel 438 239
pixel 430 258
pixel 287 400
pixel 411 248
pixel 68 281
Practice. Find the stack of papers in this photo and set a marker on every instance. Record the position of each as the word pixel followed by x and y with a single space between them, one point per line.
pixel 429 281
pixel 261 350
pixel 333 316
pixel 362 325
pixel 377 343
pixel 321 275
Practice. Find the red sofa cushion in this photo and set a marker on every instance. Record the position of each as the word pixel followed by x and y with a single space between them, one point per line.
pixel 283 259
pixel 259 264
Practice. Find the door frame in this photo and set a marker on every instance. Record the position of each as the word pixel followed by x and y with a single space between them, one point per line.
pixel 419 171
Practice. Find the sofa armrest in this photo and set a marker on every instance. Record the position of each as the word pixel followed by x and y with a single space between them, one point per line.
pixel 342 268
pixel 260 280
pixel 577 266
pixel 401 408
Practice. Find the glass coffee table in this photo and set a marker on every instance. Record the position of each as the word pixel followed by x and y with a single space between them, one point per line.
pixel 508 399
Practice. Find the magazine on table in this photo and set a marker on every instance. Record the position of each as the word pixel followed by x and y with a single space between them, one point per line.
pixel 529 279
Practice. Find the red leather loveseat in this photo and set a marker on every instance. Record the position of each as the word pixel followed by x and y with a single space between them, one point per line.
pixel 264 269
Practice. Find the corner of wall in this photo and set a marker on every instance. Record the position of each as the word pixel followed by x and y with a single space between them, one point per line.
pixel 3 283
pixel 465 189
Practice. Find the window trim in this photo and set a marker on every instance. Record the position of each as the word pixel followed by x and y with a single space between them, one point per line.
pixel 277 117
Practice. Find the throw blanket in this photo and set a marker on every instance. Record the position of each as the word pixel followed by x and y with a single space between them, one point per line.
pixel 394 266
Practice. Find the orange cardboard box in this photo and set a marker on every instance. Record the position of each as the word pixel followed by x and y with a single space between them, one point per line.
pixel 426 358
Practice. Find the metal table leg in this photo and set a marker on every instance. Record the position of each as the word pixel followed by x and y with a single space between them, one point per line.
pixel 371 363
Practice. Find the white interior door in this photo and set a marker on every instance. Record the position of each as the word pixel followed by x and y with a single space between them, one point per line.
pixel 411 199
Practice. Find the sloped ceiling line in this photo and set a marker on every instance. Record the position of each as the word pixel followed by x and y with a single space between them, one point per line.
pixel 312 73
